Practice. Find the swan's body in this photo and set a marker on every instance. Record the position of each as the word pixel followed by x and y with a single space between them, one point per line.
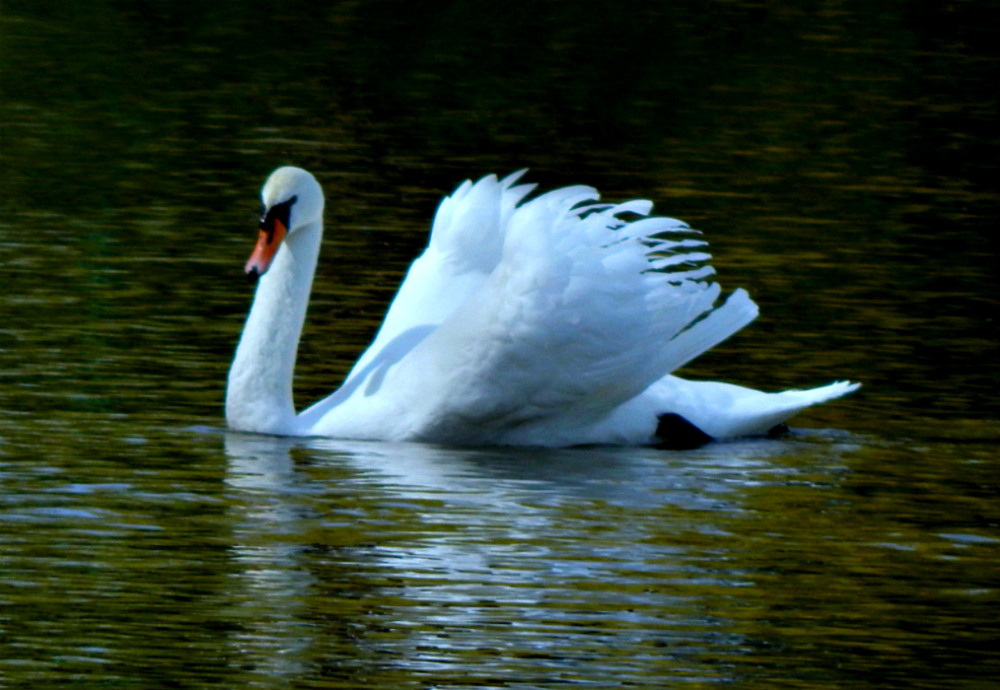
pixel 552 322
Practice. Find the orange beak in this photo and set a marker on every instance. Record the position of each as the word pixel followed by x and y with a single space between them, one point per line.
pixel 267 246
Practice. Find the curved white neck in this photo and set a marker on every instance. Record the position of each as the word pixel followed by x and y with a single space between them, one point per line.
pixel 259 392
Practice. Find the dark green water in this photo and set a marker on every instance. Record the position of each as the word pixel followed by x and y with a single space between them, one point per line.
pixel 840 157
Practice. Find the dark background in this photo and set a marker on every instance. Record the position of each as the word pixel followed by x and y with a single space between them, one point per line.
pixel 840 157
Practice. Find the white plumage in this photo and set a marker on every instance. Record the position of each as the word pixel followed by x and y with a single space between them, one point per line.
pixel 551 322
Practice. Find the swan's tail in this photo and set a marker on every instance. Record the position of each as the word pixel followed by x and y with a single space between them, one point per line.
pixel 759 414
pixel 724 410
pixel 799 400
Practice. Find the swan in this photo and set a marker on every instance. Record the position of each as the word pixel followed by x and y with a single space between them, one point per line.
pixel 554 321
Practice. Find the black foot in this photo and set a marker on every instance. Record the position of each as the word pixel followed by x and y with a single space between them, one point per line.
pixel 778 430
pixel 677 433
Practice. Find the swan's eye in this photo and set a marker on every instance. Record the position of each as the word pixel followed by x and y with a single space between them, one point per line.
pixel 280 213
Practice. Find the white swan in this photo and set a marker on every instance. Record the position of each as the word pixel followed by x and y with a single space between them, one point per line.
pixel 551 322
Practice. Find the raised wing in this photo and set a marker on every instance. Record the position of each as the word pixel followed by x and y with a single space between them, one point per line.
pixel 465 246
pixel 582 312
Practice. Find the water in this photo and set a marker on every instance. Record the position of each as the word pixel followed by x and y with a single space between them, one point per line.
pixel 840 160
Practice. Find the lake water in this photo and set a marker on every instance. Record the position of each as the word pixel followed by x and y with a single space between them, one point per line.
pixel 841 161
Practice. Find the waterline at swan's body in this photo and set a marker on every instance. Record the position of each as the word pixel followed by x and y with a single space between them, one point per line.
pixel 552 322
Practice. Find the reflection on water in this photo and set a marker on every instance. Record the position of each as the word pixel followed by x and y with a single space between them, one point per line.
pixel 218 557
pixel 514 565
pixel 842 161
pixel 472 559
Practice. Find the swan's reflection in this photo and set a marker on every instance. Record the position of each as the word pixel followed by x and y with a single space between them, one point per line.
pixel 465 540
pixel 273 587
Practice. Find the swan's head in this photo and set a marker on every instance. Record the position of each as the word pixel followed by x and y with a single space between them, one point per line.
pixel 291 199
